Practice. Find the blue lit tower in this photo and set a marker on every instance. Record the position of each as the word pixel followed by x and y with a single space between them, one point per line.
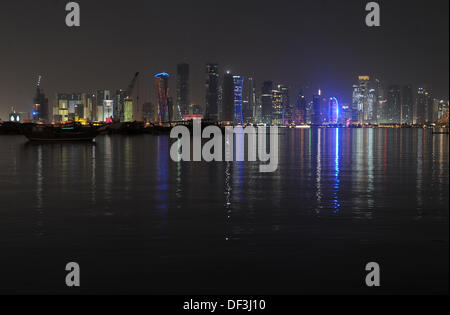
pixel 334 111
pixel 228 98
pixel 238 87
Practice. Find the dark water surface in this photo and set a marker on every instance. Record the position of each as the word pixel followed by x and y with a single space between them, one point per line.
pixel 137 222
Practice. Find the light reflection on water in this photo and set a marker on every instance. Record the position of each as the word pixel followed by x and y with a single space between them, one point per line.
pixel 123 197
pixel 353 173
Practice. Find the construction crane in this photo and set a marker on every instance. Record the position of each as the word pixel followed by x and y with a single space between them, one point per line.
pixel 132 85
pixel 39 81
pixel 37 107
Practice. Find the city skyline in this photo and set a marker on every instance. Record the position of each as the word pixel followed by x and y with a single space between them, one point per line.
pixel 319 54
pixel 232 98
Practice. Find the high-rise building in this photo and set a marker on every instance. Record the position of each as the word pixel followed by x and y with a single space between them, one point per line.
pixel 266 102
pixel 441 107
pixel 227 104
pixel 286 105
pixel 334 110
pixel 40 108
pixel 238 86
pixel 429 108
pixel 183 101
pixel 372 102
pixel 170 109
pixel 407 108
pixel 119 105
pixel 394 104
pixel 361 100
pixel 250 101
pixel 70 107
pixel 88 103
pixel 300 109
pixel 212 92
pixel 277 107
pixel 377 110
pixel 316 115
pixel 162 96
pixel 128 110
pixel 421 102
pixel 105 106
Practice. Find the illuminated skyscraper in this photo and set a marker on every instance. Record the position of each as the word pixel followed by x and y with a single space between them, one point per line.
pixel 105 106
pixel 183 101
pixel 300 109
pixel 394 104
pixel 361 100
pixel 333 116
pixel 227 103
pixel 238 85
pixel 420 111
pixel 266 102
pixel 286 105
pixel 370 111
pixel 430 113
pixel 212 92
pixel 407 105
pixel 250 101
pixel 119 105
pixel 162 96
pixel 316 115
pixel 40 108
pixel 277 107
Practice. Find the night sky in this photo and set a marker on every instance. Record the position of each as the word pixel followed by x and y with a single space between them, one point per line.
pixel 315 43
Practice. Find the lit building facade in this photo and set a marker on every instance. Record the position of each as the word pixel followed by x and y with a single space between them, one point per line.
pixel 407 111
pixel 266 102
pixel 361 100
pixel 183 101
pixel 393 105
pixel 238 86
pixel 286 105
pixel 277 107
pixel 334 111
pixel 40 107
pixel 250 101
pixel 162 96
pixel 300 109
pixel 316 114
pixel 228 101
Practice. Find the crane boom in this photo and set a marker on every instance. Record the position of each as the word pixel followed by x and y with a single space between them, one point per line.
pixel 132 84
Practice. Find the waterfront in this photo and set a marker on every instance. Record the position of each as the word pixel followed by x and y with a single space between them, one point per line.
pixel 139 223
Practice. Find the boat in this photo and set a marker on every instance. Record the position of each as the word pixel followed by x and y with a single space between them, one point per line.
pixel 61 132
